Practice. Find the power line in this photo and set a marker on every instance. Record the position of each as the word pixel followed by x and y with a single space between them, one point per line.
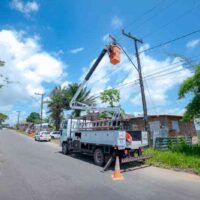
pixel 157 46
pixel 148 91
pixel 169 22
pixel 128 57
pixel 144 14
pixel 118 69
pixel 165 74
pixel 170 41
pixel 138 18
pixel 173 65
pixel 177 64
pixel 156 14
pixel 148 76
pixel 165 68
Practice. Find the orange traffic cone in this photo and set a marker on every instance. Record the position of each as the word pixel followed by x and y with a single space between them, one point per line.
pixel 117 173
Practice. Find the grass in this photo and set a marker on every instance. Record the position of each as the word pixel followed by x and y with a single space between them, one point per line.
pixel 21 132
pixel 180 156
pixel 55 141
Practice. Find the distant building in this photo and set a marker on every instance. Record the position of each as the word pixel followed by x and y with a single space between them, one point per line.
pixel 166 125
pixel 160 125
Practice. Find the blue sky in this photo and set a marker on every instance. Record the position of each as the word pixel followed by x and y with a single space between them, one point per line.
pixel 58 40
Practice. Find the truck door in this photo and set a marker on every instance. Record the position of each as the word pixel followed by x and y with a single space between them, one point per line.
pixel 64 131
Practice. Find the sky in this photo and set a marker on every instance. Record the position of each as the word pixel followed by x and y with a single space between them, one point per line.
pixel 46 43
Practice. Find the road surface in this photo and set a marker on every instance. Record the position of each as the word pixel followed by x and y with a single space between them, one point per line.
pixel 32 170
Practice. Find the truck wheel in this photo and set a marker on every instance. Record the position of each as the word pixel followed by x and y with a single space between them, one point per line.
pixel 65 149
pixel 99 157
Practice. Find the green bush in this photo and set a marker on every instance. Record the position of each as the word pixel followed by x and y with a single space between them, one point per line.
pixel 182 147
pixel 170 159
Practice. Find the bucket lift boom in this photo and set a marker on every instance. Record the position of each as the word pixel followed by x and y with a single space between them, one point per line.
pixel 114 54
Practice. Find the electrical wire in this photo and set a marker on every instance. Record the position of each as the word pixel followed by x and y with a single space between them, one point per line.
pixel 155 14
pixel 188 11
pixel 151 99
pixel 138 18
pixel 170 41
pixel 149 76
pixel 164 68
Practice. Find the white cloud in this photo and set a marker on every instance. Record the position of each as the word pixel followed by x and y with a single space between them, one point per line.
pixel 65 84
pixel 193 43
pixel 77 50
pixel 27 66
pixel 105 38
pixel 25 8
pixel 123 73
pixel 116 22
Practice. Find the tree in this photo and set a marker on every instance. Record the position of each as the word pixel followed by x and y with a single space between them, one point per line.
pixel 83 97
pixel 110 96
pixel 3 117
pixel 56 105
pixel 60 100
pixel 34 117
pixel 191 86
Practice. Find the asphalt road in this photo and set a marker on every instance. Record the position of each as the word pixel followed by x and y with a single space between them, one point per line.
pixel 32 170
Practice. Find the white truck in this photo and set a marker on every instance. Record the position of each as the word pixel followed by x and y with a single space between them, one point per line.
pixel 104 139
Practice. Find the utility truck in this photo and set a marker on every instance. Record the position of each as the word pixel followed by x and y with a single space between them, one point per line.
pixel 106 138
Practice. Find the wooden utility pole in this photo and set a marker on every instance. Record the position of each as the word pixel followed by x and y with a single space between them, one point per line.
pixel 18 116
pixel 146 121
pixel 41 108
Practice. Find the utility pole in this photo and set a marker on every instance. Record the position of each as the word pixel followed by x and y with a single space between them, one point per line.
pixel 18 116
pixel 146 121
pixel 41 108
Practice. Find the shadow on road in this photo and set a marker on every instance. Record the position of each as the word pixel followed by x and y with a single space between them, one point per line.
pixel 124 167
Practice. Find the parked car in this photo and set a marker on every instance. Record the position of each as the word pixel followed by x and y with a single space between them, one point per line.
pixel 43 136
pixel 55 134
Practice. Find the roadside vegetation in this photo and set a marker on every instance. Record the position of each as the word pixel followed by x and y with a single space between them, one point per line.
pixel 3 79
pixel 191 86
pixel 60 98
pixel 3 117
pixel 178 156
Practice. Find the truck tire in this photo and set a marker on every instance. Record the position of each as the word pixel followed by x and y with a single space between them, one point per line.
pixel 99 157
pixel 65 149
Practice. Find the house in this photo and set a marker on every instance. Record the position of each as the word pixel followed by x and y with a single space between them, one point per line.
pixel 166 125
pixel 160 125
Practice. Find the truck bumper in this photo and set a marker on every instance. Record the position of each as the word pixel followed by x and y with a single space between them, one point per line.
pixel 133 159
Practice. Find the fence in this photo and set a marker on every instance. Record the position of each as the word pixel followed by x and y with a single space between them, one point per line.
pixel 163 142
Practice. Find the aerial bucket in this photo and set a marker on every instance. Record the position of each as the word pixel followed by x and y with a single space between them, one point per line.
pixel 115 53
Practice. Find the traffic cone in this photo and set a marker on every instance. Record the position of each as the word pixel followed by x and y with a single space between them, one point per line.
pixel 117 173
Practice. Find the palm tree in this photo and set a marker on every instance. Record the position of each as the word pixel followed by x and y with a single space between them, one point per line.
pixel 84 97
pixel 60 99
pixel 56 105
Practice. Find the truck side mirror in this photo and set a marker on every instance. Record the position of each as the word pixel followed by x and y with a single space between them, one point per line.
pixel 61 132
